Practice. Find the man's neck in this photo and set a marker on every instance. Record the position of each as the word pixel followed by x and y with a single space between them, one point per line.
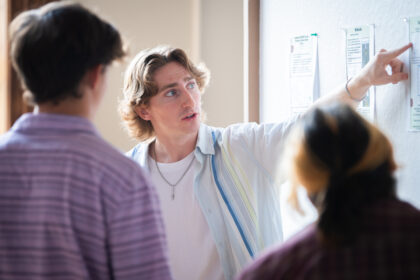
pixel 169 150
pixel 70 106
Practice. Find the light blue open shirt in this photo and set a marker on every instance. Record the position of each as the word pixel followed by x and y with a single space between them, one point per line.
pixel 237 187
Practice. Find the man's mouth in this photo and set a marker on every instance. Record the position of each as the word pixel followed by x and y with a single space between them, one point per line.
pixel 191 116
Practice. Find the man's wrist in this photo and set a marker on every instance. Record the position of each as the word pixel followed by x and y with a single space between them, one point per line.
pixel 346 87
pixel 357 87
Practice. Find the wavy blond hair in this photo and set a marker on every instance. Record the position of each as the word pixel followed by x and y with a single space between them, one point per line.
pixel 139 85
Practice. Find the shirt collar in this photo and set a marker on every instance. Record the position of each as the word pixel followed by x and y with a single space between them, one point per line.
pixel 140 152
pixel 205 141
pixel 52 123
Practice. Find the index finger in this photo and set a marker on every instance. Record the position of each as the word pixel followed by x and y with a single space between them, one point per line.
pixel 394 53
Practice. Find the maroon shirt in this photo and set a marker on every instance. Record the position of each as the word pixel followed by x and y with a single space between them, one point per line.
pixel 388 247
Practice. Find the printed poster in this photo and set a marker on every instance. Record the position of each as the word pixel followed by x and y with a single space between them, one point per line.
pixel 359 50
pixel 304 73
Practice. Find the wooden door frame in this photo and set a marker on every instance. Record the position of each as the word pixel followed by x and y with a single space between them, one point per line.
pixel 4 67
pixel 254 60
pixel 12 105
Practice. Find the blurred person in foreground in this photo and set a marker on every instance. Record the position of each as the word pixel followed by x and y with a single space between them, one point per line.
pixel 71 206
pixel 363 231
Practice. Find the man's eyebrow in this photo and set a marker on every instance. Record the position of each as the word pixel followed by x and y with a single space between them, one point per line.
pixel 186 79
pixel 167 86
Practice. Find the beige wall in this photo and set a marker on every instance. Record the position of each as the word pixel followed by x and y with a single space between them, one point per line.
pixel 210 31
pixel 222 51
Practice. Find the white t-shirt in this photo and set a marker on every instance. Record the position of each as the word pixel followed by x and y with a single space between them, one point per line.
pixel 192 251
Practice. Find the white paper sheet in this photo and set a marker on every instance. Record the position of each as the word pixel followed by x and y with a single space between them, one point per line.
pixel 359 50
pixel 414 37
pixel 304 74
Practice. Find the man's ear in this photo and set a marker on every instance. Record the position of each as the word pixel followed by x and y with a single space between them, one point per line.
pixel 143 112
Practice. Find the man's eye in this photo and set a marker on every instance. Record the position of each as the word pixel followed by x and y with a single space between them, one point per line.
pixel 170 93
pixel 191 85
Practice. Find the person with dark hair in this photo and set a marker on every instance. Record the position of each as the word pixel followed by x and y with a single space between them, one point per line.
pixel 71 206
pixel 363 231
pixel 218 187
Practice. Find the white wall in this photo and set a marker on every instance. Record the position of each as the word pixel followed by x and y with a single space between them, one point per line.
pixel 280 20
pixel 210 31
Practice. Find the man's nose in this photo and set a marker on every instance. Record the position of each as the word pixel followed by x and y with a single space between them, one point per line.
pixel 188 98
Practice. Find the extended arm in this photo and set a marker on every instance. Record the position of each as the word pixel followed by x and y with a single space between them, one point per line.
pixel 374 73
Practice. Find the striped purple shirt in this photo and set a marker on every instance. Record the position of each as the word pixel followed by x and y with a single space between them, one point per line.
pixel 388 247
pixel 73 207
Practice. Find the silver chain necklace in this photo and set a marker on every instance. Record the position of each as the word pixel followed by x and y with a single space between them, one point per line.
pixel 163 177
